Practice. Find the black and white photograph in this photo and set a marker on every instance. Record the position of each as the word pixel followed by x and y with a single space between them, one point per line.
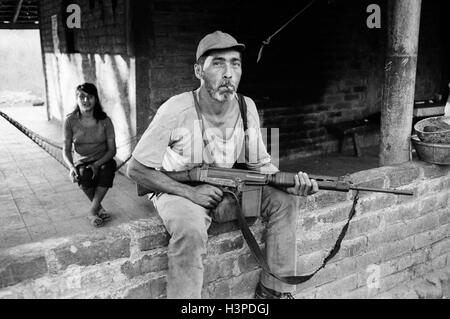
pixel 221 152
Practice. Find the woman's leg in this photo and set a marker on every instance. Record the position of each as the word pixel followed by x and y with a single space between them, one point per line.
pixel 96 202
pixel 90 192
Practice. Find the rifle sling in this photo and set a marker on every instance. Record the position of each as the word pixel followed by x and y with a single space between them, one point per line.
pixel 256 251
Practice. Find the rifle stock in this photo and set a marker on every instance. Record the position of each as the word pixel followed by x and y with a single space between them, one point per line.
pixel 230 177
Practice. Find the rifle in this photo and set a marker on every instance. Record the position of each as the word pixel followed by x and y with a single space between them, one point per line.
pixel 237 178
pixel 248 184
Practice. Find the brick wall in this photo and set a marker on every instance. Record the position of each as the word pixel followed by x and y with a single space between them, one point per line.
pixel 325 67
pixel 99 53
pixel 396 247
pixel 433 73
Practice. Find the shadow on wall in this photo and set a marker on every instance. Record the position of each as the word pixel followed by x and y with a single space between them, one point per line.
pixel 113 74
pixel 21 62
pixel 324 67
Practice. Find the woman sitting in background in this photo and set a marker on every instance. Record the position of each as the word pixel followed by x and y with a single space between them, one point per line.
pixel 91 132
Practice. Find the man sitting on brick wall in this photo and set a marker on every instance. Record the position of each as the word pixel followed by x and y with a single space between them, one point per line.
pixel 173 142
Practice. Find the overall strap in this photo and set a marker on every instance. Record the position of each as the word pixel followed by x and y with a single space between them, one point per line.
pixel 243 109
pixel 240 163
pixel 259 256
pixel 205 142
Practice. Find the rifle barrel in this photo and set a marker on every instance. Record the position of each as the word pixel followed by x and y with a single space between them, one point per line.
pixel 381 190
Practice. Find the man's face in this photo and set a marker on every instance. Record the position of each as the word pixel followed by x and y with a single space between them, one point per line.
pixel 221 74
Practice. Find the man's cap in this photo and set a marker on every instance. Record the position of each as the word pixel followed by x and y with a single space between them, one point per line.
pixel 216 41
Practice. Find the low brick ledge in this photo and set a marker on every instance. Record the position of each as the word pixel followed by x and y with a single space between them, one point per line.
pixel 130 260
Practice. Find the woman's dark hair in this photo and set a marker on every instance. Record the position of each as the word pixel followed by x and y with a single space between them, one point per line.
pixel 90 88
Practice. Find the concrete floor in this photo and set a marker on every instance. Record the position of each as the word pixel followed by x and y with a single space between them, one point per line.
pixel 37 200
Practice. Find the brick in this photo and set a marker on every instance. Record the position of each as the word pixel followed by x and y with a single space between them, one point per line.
pixel 326 198
pixel 153 289
pixel 147 264
pixel 153 241
pixel 399 264
pixel 389 234
pixel 402 213
pixel 359 89
pixel 391 281
pixel 334 214
pixel 439 262
pixel 432 170
pixel 440 248
pixel 346 266
pixel 363 225
pixel 220 290
pixel 246 263
pixel 376 202
pixel 428 290
pixel 219 268
pixel 309 242
pixel 444 217
pixel 338 288
pixel 432 203
pixel 369 258
pixel 397 248
pixel 429 186
pixel 403 291
pixel 91 253
pixel 305 293
pixel 218 247
pixel 323 276
pixel 14 270
pixel 310 262
pixel 352 247
pixel 360 293
pixel 424 239
pixel 244 285
pixel 351 97
pixel 422 224
pixel 403 176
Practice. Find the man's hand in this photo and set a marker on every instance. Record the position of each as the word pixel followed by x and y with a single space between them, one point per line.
pixel 207 196
pixel 303 185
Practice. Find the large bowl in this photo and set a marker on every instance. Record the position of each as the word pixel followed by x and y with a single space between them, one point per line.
pixel 434 130
pixel 432 153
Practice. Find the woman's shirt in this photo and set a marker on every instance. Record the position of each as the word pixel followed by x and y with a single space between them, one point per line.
pixel 89 142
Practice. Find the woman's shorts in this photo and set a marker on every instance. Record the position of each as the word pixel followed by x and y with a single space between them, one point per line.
pixel 104 177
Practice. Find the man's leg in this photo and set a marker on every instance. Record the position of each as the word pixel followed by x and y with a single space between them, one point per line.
pixel 280 210
pixel 187 224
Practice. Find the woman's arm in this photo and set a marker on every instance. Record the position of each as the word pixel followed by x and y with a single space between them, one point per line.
pixel 67 150
pixel 111 147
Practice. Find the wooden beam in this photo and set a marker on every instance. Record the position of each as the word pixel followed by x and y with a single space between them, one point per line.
pixel 16 26
pixel 18 8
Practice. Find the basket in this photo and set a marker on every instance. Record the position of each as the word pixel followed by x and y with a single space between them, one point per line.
pixel 434 130
pixel 432 153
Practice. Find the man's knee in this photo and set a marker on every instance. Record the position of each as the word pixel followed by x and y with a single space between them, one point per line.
pixel 193 232
pixel 278 201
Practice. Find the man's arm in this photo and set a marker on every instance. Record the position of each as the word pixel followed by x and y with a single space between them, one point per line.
pixel 156 180
pixel 205 195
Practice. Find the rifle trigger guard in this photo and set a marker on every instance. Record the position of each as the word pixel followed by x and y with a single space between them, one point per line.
pixel 239 186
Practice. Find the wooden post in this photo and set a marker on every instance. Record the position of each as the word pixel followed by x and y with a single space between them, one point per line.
pixel 399 81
